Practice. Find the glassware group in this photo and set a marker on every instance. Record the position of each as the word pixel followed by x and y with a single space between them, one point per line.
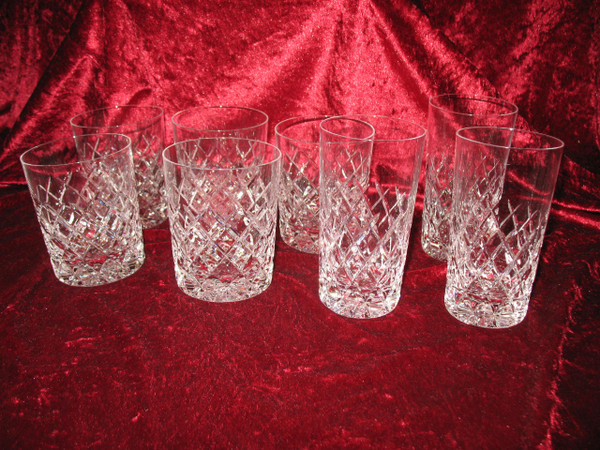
pixel 343 187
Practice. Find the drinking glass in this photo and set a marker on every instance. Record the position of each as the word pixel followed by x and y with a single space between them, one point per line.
pixel 83 191
pixel 367 192
pixel 215 121
pixel 503 186
pixel 298 140
pixel 222 197
pixel 447 113
pixel 146 128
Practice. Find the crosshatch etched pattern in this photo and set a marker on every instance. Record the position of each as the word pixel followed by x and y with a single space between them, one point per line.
pixel 364 238
pixel 494 260
pixel 437 203
pixel 147 158
pixel 90 224
pixel 299 201
pixel 223 226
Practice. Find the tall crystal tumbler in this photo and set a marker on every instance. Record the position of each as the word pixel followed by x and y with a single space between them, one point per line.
pixel 447 113
pixel 220 121
pixel 83 190
pixel 501 200
pixel 298 140
pixel 146 128
pixel 367 192
pixel 222 197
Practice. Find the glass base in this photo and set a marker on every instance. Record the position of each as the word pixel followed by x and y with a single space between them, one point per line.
pixel 301 243
pixel 301 239
pixel 154 220
pixel 366 306
pixel 217 291
pixel 90 275
pixel 485 312
pixel 434 249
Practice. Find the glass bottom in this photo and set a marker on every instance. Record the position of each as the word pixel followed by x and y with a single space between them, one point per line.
pixel 485 312
pixel 302 238
pixel 98 273
pixel 153 219
pixel 219 291
pixel 354 304
pixel 434 249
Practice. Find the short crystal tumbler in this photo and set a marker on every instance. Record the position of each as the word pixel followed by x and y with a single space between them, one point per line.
pixel 83 190
pixel 145 126
pixel 220 121
pixel 501 201
pixel 298 140
pixel 447 113
pixel 367 192
pixel 222 196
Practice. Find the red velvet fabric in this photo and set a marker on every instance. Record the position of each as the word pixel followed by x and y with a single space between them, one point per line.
pixel 139 364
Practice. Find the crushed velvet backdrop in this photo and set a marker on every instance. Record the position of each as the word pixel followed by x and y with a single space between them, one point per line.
pixel 139 364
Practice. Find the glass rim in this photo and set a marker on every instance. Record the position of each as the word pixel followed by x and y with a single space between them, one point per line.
pixel 349 138
pixel 558 144
pixel 176 116
pixel 72 139
pixel 138 123
pixel 512 109
pixel 277 154
pixel 422 134
pixel 281 126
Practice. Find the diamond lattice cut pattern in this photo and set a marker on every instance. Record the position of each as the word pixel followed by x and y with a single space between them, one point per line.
pixel 364 237
pixel 223 226
pixel 299 200
pixel 495 251
pixel 436 207
pixel 90 224
pixel 147 159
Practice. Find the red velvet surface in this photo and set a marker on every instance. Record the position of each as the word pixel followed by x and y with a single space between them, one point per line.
pixel 139 364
